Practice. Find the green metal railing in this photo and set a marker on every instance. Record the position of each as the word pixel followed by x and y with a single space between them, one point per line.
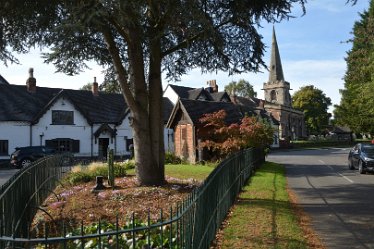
pixel 24 192
pixel 192 223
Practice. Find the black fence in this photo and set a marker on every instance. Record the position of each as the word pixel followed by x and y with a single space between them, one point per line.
pixel 191 224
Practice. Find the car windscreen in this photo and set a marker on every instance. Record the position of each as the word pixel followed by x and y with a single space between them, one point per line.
pixel 368 149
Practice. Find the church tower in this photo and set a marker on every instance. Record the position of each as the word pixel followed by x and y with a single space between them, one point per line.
pixel 277 90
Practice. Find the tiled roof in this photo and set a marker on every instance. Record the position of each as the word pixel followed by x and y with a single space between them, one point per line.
pixel 104 108
pixel 20 105
pixel 3 81
pixel 17 104
pixel 181 91
pixel 199 93
pixel 218 96
pixel 244 101
pixel 168 108
pixel 197 108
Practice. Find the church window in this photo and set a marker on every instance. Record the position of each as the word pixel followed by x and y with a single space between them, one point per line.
pixel 273 95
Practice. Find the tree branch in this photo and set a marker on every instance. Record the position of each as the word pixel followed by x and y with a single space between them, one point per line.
pixel 121 71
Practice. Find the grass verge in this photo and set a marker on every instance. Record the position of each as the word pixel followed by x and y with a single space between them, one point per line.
pixel 263 216
pixel 185 171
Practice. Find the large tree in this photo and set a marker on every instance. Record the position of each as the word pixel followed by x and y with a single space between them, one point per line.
pixel 356 108
pixel 314 103
pixel 138 40
pixel 241 88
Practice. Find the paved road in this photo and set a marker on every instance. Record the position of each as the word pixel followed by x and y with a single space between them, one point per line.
pixel 5 174
pixel 339 201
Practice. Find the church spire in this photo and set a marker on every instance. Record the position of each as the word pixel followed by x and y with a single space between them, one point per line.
pixel 276 71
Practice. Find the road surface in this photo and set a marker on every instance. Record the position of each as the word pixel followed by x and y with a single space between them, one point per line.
pixel 339 201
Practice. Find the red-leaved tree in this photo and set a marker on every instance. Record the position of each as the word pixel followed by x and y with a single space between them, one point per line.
pixel 223 139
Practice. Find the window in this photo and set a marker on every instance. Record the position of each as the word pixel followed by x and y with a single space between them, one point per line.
pixel 129 141
pixel 62 117
pixel 3 147
pixel 273 95
pixel 63 144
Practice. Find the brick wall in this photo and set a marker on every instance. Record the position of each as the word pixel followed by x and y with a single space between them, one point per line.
pixel 184 142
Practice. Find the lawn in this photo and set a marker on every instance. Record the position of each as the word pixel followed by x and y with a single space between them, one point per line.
pixel 263 216
pixel 185 171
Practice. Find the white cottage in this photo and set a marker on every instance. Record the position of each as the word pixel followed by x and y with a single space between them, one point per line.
pixel 85 123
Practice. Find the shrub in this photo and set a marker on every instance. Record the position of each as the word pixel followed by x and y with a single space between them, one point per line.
pixel 77 177
pixel 170 158
pixel 88 173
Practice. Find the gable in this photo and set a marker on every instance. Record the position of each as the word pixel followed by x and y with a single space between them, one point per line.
pixel 3 80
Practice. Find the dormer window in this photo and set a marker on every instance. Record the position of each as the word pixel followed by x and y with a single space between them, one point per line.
pixel 60 117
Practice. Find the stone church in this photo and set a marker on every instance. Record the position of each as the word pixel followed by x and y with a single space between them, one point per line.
pixel 278 100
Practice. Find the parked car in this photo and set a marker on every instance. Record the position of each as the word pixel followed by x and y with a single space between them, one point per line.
pixel 361 156
pixel 24 156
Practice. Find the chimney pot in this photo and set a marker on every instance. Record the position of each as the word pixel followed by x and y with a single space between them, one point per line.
pixel 31 81
pixel 95 88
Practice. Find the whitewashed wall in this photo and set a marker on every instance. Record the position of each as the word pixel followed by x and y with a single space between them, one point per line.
pixel 16 133
pixel 81 130
pixel 170 93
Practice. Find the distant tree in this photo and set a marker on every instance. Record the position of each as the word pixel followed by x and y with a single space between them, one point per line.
pixel 86 87
pixel 110 87
pixel 106 86
pixel 356 108
pixel 226 139
pixel 241 88
pixel 314 103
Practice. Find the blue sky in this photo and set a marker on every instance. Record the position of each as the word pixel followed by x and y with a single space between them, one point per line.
pixel 312 49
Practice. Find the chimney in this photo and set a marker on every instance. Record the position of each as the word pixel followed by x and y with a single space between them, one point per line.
pixel 31 82
pixel 95 88
pixel 213 87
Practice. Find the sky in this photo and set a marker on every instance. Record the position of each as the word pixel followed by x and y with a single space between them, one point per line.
pixel 312 49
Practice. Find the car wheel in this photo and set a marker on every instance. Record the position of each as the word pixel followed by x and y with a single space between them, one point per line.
pixel 25 162
pixel 350 166
pixel 361 167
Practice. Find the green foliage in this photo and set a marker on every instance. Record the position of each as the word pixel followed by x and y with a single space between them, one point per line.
pixel 157 238
pixel 356 106
pixel 241 88
pixel 79 177
pixel 111 86
pixel 224 139
pixel 314 103
pixel 88 173
pixel 87 87
pixel 171 158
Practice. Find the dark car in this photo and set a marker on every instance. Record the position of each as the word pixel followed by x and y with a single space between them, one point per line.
pixel 24 156
pixel 361 156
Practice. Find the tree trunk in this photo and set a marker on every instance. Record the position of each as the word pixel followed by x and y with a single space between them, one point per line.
pixel 147 121
pixel 145 103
